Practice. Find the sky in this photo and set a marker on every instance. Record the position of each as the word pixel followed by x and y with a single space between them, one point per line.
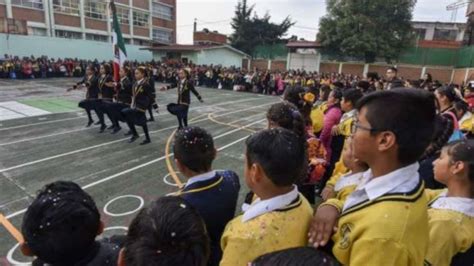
pixel 217 14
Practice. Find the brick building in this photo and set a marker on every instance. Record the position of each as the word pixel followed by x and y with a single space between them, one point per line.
pixel 142 21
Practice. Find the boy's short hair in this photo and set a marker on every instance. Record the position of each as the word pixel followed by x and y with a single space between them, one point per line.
pixel 302 256
pixel 61 224
pixel 352 95
pixel 280 152
pixel 408 113
pixel 373 75
pixel 168 232
pixel 194 148
pixel 394 69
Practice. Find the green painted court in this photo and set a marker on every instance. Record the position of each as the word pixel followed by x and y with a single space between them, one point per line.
pixel 121 177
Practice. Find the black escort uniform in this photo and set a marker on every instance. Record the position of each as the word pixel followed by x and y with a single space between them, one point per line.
pixel 180 109
pixel 92 95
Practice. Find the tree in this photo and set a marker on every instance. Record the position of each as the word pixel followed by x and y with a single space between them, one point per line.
pixel 250 32
pixel 367 29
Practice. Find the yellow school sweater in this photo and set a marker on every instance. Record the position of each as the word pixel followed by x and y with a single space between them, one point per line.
pixel 451 230
pixel 390 230
pixel 242 242
pixel 466 123
pixel 346 185
pixel 317 117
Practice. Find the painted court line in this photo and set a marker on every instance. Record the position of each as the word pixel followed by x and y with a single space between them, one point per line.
pixel 98 182
pixel 110 142
pixel 82 116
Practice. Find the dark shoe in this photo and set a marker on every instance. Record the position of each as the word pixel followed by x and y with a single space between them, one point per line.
pixel 102 129
pixel 111 127
pixel 133 138
pixel 151 120
pixel 129 133
pixel 116 129
pixel 145 142
pixel 97 123
pixel 90 123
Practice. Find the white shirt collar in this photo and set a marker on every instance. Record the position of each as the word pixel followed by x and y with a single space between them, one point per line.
pixel 376 187
pixel 457 204
pixel 352 113
pixel 140 81
pixel 260 207
pixel 200 178
pixel 348 179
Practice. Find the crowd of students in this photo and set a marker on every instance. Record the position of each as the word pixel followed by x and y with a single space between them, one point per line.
pixel 394 169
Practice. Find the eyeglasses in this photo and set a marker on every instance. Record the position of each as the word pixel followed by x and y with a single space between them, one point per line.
pixel 355 126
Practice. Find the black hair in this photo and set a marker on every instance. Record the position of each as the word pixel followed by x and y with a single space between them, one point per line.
pixel 429 78
pixel 338 84
pixel 142 70
pixel 194 148
pixel 443 130
pixel 449 92
pixel 408 113
pixel 373 76
pixel 394 69
pixel 295 95
pixel 463 151
pixel 61 223
pixel 461 106
pixel 337 94
pixel 107 68
pixel 286 115
pixel 352 95
pixel 325 91
pixel 281 154
pixel 168 232
pixel 364 85
pixel 301 256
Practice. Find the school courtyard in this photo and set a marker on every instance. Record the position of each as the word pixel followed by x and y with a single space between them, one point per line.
pixel 43 138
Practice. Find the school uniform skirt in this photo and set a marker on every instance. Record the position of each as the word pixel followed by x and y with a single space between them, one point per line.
pixel 89 104
pixel 179 110
pixel 134 116
pixel 115 110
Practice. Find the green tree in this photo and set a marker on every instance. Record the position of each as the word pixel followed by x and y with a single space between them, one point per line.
pixel 249 32
pixel 367 29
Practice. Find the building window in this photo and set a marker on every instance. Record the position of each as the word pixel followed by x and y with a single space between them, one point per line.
pixel 141 42
pixel 420 34
pixel 162 35
pixel 162 11
pixel 445 35
pixel 123 15
pixel 140 18
pixel 127 41
pixel 96 37
pixel 37 4
pixel 68 34
pixel 66 6
pixel 37 31
pixel 95 9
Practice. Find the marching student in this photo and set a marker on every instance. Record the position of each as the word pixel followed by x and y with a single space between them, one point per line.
pixel 451 211
pixel 135 114
pixel 391 192
pixel 106 94
pixel 151 81
pixel 213 193
pixel 181 108
pixel 92 93
pixel 123 99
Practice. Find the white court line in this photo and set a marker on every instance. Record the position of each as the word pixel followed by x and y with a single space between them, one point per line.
pixel 112 142
pixel 81 129
pixel 98 182
pixel 161 114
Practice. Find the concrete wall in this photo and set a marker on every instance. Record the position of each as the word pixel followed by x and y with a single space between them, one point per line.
pixel 221 56
pixel 64 48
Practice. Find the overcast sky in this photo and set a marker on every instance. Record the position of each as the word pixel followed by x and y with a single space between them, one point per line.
pixel 216 14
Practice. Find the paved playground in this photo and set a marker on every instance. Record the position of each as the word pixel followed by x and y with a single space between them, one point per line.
pixel 43 139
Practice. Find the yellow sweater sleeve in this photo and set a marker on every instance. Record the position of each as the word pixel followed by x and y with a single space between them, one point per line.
pixel 338 204
pixel 339 170
pixel 446 240
pixel 379 252
pixel 237 250
pixel 432 194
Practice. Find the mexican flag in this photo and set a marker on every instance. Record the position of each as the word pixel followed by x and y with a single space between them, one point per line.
pixel 120 54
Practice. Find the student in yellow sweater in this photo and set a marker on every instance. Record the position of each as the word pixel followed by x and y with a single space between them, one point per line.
pixel 279 217
pixel 465 118
pixel 451 211
pixel 347 183
pixel 349 101
pixel 384 221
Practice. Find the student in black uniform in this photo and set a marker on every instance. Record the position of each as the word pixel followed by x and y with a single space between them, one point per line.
pixel 92 93
pixel 180 109
pixel 106 94
pixel 141 99
pixel 153 105
pixel 123 99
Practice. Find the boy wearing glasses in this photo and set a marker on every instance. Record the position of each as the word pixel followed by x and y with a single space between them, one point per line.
pixel 384 221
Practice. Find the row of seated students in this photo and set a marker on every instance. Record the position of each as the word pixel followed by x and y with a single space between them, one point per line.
pixel 381 214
